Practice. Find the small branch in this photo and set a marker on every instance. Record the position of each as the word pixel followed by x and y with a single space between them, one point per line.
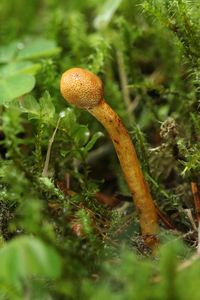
pixel 46 164
pixel 124 83
pixel 196 197
pixel 190 217
pixel 187 263
pixel 165 220
pixel 134 103
pixel 67 181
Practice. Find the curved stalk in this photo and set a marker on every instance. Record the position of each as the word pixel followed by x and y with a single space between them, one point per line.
pixel 85 90
pixel 131 169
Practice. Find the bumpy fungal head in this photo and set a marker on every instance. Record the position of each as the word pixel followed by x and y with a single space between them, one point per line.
pixel 81 88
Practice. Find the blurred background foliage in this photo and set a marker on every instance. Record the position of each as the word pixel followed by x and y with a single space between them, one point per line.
pixel 68 229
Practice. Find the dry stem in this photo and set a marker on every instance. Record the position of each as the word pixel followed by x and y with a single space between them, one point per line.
pixel 46 164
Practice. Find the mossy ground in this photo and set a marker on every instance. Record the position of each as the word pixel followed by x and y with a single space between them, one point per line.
pixel 68 227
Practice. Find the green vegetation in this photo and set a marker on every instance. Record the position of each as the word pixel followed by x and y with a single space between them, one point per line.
pixel 68 227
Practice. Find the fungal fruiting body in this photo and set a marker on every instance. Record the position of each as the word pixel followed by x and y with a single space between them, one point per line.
pixel 81 88
pixel 85 90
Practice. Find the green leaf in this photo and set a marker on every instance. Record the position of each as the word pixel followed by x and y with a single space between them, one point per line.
pixel 27 256
pixel 15 86
pixel 47 109
pixel 80 134
pixel 93 140
pixel 44 109
pixel 8 52
pixel 31 106
pixel 69 119
pixel 106 14
pixel 38 48
pixel 21 67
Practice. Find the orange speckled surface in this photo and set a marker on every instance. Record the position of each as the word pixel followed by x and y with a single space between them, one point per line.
pixel 81 88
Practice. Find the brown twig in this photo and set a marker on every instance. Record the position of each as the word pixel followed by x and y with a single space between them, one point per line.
pixel 196 197
pixel 165 220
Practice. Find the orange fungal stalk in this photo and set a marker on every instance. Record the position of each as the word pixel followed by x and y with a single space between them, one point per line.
pixel 85 90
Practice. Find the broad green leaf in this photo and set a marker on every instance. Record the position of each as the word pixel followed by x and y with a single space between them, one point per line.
pixel 31 106
pixel 106 14
pixel 15 86
pixel 38 48
pixel 93 140
pixel 44 109
pixel 21 67
pixel 47 109
pixel 80 135
pixel 69 119
pixel 27 256
pixel 8 52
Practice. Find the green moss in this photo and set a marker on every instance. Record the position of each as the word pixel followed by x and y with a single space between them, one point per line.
pixel 148 56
